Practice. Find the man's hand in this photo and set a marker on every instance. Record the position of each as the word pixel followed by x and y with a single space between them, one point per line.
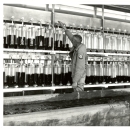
pixel 67 32
pixel 62 25
pixel 74 85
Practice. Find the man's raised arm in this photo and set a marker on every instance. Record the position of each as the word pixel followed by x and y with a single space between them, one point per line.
pixel 67 32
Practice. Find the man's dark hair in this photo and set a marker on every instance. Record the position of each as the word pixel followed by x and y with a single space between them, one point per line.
pixel 79 37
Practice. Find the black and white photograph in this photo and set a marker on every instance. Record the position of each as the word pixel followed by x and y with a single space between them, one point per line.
pixel 66 64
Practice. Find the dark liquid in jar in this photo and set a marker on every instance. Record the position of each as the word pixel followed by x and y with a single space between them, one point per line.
pixel 11 41
pixel 47 45
pixel 118 79
pixel 3 78
pixel 43 79
pixel 21 42
pixel 107 79
pixel 21 79
pixel 129 78
pixel 40 42
pixel 64 78
pixel 122 78
pixel 26 79
pixel 35 79
pixel 30 79
pixel 88 80
pixel 39 79
pixel 57 79
pixel 36 42
pixel 65 47
pixel 113 80
pixel 93 79
pixel 55 47
pixel 5 43
pixel 97 79
pixel 48 79
pixel 125 79
pixel 58 45
pixel 31 43
pixel 100 79
pixel 10 81
pixel 69 77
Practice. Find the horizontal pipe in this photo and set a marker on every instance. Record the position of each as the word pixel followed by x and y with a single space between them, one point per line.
pixel 25 23
pixel 114 19
pixel 73 13
pixel 27 6
pixel 111 7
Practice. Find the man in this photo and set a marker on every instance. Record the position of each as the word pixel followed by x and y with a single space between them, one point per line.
pixel 78 57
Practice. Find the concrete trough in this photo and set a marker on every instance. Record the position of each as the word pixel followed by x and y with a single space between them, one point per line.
pixel 116 114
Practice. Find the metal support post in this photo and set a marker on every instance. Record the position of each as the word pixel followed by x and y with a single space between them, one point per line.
pixel 47 7
pixel 103 24
pixel 95 12
pixel 53 56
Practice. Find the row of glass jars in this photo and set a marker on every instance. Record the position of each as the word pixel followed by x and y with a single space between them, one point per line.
pixel 39 72
pixel 36 73
pixel 112 43
pixel 109 71
pixel 33 37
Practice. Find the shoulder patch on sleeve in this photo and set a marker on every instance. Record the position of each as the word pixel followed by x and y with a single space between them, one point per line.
pixel 80 56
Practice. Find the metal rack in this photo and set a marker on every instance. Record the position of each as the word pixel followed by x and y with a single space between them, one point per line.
pixel 61 87
pixel 61 52
pixel 52 17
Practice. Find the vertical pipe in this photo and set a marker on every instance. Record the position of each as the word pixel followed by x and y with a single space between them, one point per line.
pixel 23 92
pixel 47 7
pixel 103 25
pixel 95 12
pixel 52 22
